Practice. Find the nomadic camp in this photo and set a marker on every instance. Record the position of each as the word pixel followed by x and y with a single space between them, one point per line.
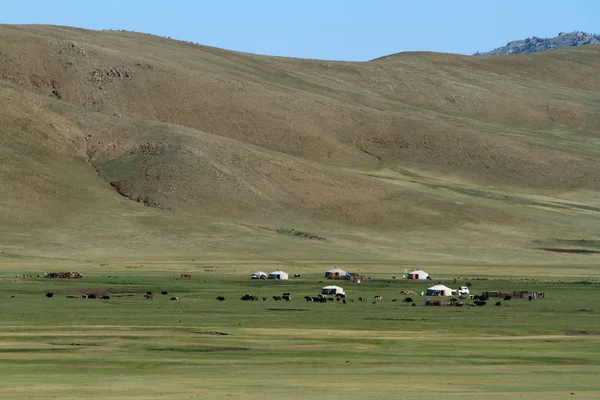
pixel 259 275
pixel 278 275
pixel 439 290
pixel 418 274
pixel 336 273
pixel 332 290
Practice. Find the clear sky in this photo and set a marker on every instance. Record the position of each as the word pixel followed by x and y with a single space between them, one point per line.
pixel 352 30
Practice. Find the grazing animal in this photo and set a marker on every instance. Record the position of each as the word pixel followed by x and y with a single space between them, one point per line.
pixel 308 299
pixel 408 300
pixel 277 298
pixel 92 296
pixel 265 298
pixel 49 294
pixel 105 297
pixel 186 276
pixel 221 298
pixel 164 293
pixel 296 275
pixel 394 300
pixel 480 303
pixel 148 296
pixel 174 298
pixel 361 299
pixel 286 297
pixel 249 297
pixel 409 292
pixel 506 298
pixel 498 303
pixel 376 298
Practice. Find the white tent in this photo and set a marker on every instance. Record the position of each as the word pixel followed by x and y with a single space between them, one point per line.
pixel 336 273
pixel 332 290
pixel 418 274
pixel 278 275
pixel 439 290
pixel 259 275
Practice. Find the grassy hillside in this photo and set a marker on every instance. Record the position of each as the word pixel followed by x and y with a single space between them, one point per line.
pixel 133 145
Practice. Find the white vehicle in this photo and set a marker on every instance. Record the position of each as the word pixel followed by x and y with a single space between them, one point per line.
pixel 462 290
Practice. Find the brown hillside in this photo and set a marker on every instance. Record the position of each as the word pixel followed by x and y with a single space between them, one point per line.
pixel 490 119
pixel 118 140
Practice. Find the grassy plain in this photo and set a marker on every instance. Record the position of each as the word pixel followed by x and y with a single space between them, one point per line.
pixel 130 348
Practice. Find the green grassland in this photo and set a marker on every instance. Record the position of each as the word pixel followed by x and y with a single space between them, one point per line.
pixel 131 348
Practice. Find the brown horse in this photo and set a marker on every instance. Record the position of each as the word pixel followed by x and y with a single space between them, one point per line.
pixel 186 276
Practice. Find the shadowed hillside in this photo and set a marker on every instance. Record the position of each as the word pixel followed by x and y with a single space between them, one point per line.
pixel 415 153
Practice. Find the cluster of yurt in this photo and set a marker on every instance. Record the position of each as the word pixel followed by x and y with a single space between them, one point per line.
pixel 259 275
pixel 279 276
pixel 418 274
pixel 439 290
pixel 332 291
pixel 336 273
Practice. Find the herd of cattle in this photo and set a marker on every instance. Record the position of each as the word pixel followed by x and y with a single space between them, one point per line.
pixel 63 275
pixel 478 300
pixel 321 298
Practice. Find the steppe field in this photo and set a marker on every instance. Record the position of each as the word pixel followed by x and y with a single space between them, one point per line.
pixel 133 159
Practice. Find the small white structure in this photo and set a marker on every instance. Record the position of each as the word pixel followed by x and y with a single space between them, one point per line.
pixel 332 291
pixel 259 275
pixel 418 274
pixel 336 273
pixel 439 290
pixel 279 275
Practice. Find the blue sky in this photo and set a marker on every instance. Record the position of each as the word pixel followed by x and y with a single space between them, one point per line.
pixel 349 30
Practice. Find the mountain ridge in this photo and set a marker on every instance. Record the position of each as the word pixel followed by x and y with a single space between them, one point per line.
pixel 536 44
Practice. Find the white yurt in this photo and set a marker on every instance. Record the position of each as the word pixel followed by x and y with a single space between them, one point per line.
pixel 259 275
pixel 439 290
pixel 278 275
pixel 418 274
pixel 336 273
pixel 332 290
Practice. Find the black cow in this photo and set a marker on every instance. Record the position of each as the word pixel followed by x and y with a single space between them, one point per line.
pixel 221 298
pixel 498 303
pixel 49 294
pixel 174 298
pixel 286 297
pixel 506 298
pixel 164 293
pixel 408 300
pixel 105 297
pixel 480 303
pixel 277 298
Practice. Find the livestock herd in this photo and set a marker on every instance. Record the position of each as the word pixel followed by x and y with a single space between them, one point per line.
pixel 476 300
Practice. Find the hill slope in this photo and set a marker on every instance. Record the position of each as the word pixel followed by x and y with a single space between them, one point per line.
pixel 412 156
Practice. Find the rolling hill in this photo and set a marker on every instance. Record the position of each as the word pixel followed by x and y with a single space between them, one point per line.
pixel 132 145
